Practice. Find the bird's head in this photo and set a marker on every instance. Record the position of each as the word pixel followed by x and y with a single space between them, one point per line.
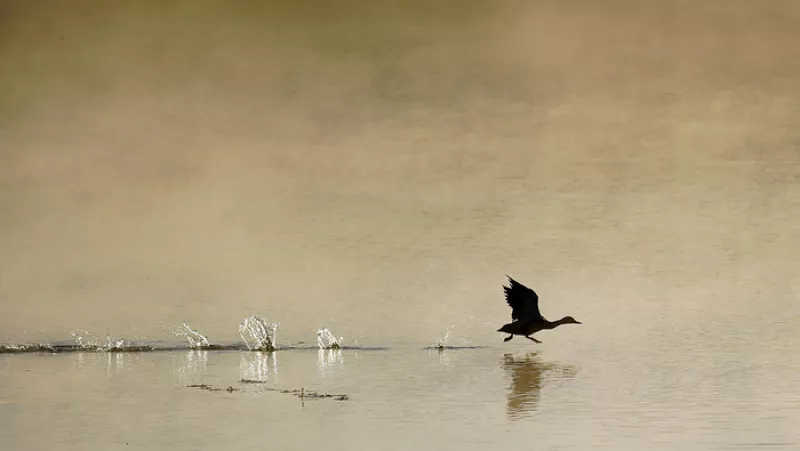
pixel 570 320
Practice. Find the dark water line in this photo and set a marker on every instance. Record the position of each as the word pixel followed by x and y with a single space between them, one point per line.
pixel 61 349
pixel 71 348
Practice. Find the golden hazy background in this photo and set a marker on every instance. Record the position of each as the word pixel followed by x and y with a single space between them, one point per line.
pixel 380 165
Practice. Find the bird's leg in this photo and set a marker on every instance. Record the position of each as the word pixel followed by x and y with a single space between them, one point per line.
pixel 531 338
pixel 509 338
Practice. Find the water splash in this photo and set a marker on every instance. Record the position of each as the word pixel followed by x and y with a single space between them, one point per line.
pixel 326 340
pixel 195 338
pixel 78 335
pixel 85 340
pixel 113 343
pixel 443 342
pixel 258 334
pixel 19 348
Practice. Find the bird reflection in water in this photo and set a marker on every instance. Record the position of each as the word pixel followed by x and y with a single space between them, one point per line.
pixel 528 375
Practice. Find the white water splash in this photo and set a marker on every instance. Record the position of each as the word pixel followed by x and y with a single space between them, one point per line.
pixel 195 338
pixel 112 343
pixel 446 338
pixel 258 334
pixel 78 335
pixel 326 340
pixel 85 340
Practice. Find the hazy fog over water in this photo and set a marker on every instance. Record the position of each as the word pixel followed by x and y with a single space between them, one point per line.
pixel 382 165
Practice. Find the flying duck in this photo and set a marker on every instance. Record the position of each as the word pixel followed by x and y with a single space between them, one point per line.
pixel 527 320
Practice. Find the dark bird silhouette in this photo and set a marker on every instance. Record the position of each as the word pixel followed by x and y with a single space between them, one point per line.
pixel 527 320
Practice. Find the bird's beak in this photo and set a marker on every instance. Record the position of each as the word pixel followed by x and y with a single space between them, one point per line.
pixel 578 322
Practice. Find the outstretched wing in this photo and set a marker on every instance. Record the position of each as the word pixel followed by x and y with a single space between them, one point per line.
pixel 523 301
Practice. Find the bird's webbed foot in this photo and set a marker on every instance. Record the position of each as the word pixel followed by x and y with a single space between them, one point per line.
pixel 509 338
pixel 531 338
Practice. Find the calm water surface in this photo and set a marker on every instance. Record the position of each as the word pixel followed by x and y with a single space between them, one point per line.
pixel 673 388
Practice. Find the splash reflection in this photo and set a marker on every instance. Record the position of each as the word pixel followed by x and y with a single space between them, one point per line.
pixel 117 362
pixel 256 366
pixel 328 360
pixel 528 375
pixel 190 366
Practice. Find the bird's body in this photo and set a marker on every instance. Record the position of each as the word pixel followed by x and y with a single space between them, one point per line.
pixel 525 314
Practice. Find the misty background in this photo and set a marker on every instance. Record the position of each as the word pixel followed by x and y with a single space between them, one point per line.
pixel 377 167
